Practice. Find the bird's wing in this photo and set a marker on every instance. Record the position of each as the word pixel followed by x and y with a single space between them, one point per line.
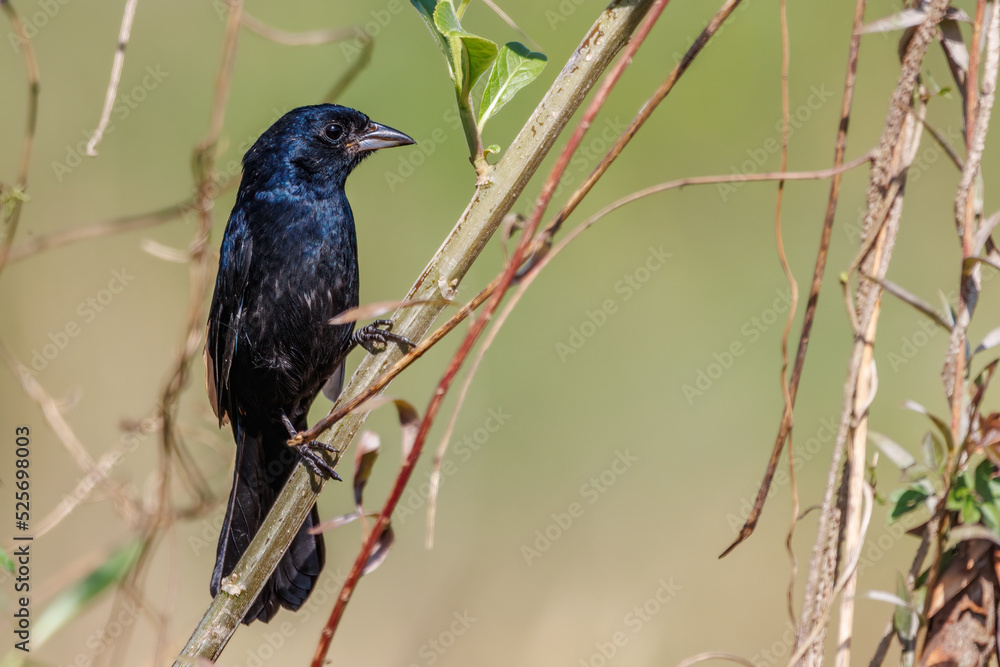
pixel 225 318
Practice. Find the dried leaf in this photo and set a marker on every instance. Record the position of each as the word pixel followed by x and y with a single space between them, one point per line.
pixel 984 231
pixel 364 460
pixel 409 418
pixel 990 340
pixel 929 447
pixel 962 624
pixel 372 310
pixel 982 383
pixel 381 550
pixel 911 299
pixel 959 574
pixel 338 521
pixel 955 52
pixel 166 253
pixel 941 426
pixel 895 452
pixel 949 312
pixel 885 596
pixel 967 532
pixel 907 18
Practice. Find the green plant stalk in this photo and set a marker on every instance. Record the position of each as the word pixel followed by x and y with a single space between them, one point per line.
pixel 473 138
pixel 473 135
pixel 449 265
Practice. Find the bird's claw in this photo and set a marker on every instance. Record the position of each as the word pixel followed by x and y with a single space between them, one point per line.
pixel 314 461
pixel 377 335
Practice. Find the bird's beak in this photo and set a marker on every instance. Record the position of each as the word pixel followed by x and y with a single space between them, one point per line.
pixel 382 136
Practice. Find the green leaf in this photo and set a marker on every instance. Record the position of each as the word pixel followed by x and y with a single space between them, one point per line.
pixel 991 517
pixel 5 561
pixel 937 421
pixel 492 149
pixel 74 600
pixel 905 501
pixel 957 495
pixel 515 68
pixel 984 474
pixel 929 446
pixel 470 55
pixel 903 618
pixel 970 512
pixel 426 9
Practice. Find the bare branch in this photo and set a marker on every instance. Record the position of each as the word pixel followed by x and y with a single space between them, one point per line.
pixel 309 38
pixel 117 65
pixel 12 199
pixel 475 227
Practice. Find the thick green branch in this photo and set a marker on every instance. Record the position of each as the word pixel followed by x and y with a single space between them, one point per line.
pixel 490 203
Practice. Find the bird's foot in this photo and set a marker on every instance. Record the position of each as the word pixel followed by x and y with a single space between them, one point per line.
pixel 315 461
pixel 377 335
pixel 310 457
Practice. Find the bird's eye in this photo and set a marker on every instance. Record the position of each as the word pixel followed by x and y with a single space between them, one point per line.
pixel 333 132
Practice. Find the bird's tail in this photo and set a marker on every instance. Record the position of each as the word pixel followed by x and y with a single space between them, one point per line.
pixel 263 463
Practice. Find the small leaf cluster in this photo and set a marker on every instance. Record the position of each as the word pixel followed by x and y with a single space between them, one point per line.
pixel 507 69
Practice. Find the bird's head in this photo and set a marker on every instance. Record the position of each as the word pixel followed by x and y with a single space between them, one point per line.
pixel 318 145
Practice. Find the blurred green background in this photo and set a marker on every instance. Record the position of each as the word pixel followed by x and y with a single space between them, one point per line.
pixel 649 529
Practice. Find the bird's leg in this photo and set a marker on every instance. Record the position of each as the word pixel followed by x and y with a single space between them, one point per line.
pixel 307 450
pixel 377 335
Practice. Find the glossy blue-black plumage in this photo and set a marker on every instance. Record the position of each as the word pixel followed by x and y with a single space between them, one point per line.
pixel 288 264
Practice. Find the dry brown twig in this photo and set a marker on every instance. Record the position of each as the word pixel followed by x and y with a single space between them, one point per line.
pixel 279 36
pixel 12 197
pixel 967 212
pixel 543 242
pixel 840 147
pixel 117 65
pixel 478 326
pixel 467 239
pixel 792 308
pixel 896 148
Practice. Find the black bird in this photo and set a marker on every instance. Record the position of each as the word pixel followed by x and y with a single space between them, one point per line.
pixel 288 264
